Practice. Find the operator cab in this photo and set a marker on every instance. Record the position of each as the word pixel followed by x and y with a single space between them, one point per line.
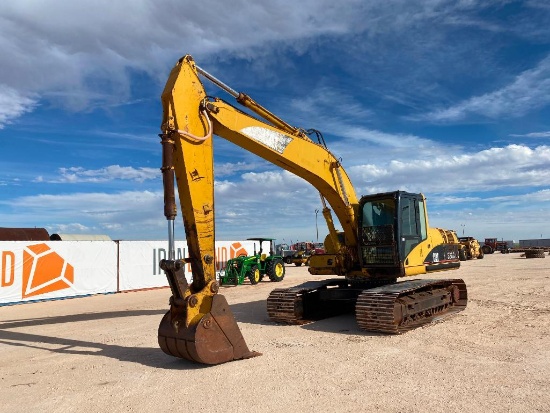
pixel 260 242
pixel 391 224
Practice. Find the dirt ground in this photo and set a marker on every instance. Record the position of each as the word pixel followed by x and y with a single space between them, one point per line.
pixel 100 353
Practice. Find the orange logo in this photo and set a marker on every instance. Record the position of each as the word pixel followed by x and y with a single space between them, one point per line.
pixel 44 271
pixel 236 250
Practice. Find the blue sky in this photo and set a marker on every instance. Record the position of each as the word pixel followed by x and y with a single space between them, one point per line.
pixel 447 98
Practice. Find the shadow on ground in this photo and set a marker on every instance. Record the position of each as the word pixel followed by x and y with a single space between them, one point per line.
pixel 252 312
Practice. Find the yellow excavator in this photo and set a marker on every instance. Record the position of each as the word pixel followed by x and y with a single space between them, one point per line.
pixel 384 236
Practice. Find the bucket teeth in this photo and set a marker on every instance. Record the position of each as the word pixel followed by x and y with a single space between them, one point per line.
pixel 215 339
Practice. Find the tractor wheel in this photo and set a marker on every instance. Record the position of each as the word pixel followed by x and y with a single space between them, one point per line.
pixel 462 254
pixel 487 249
pixel 288 260
pixel 298 264
pixel 535 253
pixel 275 269
pixel 481 255
pixel 254 275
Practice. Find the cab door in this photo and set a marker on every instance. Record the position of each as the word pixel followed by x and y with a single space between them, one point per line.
pixel 412 224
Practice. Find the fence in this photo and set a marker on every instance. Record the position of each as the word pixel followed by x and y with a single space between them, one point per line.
pixel 32 271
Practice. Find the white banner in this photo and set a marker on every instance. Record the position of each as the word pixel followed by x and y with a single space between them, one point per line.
pixel 56 269
pixel 139 261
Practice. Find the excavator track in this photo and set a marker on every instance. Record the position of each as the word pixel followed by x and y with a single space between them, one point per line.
pixel 400 307
pixel 392 309
pixel 283 305
pixel 309 301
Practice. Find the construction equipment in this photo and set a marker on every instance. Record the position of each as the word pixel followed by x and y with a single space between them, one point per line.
pixel 284 251
pixel 300 258
pixel 254 267
pixel 302 251
pixel 492 244
pixel 470 249
pixel 384 236
pixel 298 253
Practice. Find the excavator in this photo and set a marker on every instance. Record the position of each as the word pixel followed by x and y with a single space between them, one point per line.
pixel 383 236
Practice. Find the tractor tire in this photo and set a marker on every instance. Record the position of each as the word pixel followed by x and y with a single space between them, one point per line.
pixel 253 275
pixel 298 264
pixel 275 270
pixel 534 253
pixel 487 249
pixel 462 255
pixel 481 255
pixel 288 260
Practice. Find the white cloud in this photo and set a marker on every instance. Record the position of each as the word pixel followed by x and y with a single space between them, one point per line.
pixel 533 135
pixel 14 104
pixel 529 90
pixel 340 105
pixel 109 173
pixel 276 204
pixel 123 215
pixel 510 166
pixel 81 54
pixel 228 168
pixel 281 205
pixel 84 55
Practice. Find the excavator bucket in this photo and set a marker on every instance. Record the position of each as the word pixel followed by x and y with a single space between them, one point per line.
pixel 215 339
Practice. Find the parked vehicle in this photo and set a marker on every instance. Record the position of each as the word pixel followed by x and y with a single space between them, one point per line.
pixel 492 244
pixel 470 249
pixel 254 267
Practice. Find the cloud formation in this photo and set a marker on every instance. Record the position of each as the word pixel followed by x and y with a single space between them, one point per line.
pixel 529 90
pixel 77 174
pixel 13 104
pixel 385 81
pixel 506 167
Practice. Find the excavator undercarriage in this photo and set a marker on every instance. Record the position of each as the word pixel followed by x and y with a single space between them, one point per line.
pixel 392 308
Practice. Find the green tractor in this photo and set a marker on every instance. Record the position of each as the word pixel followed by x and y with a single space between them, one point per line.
pixel 254 267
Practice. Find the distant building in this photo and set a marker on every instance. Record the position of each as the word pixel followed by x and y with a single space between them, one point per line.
pixel 540 242
pixel 79 237
pixel 24 234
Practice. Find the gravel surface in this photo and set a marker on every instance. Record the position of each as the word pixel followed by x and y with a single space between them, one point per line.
pixel 100 353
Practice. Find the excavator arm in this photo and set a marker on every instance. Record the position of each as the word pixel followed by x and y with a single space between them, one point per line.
pixel 190 119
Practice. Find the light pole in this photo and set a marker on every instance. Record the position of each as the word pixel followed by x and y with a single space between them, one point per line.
pixel 316 227
pixel 463 226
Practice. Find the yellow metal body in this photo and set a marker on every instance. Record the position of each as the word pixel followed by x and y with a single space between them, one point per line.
pixel 193 164
pixel 188 117
pixel 414 264
pixel 471 248
pixel 191 119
